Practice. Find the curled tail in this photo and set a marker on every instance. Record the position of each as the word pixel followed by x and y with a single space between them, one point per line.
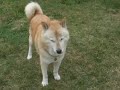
pixel 31 9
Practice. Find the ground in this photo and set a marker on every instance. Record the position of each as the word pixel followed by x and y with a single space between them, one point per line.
pixel 92 61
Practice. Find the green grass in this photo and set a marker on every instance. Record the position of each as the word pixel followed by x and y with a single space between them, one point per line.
pixel 92 61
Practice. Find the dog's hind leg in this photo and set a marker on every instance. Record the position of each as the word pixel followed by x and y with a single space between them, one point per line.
pixel 30 46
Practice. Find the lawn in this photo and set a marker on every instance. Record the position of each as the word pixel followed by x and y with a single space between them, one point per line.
pixel 92 61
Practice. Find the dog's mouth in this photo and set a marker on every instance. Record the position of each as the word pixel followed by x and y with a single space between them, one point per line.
pixel 54 54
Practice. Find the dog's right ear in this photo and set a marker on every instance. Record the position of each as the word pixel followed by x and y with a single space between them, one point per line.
pixel 63 23
pixel 45 25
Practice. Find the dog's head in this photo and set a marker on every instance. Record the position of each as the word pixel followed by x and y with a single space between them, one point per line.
pixel 55 37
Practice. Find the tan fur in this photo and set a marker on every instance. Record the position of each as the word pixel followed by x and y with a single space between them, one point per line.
pixel 36 25
pixel 55 26
pixel 50 38
pixel 37 28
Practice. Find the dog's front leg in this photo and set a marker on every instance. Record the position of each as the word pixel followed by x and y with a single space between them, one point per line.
pixel 44 67
pixel 56 66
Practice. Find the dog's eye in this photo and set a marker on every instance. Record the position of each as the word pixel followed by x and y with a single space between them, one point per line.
pixel 61 39
pixel 52 40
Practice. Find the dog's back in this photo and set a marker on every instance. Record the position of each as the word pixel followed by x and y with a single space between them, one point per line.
pixel 36 23
pixel 35 16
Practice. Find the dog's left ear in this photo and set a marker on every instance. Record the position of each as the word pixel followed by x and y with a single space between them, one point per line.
pixel 45 25
pixel 63 23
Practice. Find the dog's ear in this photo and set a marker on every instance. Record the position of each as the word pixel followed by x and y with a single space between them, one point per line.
pixel 45 25
pixel 63 23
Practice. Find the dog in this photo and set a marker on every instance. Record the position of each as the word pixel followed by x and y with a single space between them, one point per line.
pixel 50 38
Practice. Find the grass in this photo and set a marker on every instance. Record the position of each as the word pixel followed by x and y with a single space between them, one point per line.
pixel 92 61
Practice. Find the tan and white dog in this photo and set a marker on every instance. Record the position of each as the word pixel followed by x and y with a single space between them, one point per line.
pixel 50 38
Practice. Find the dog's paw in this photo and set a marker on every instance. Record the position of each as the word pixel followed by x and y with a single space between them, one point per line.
pixel 44 83
pixel 57 77
pixel 29 57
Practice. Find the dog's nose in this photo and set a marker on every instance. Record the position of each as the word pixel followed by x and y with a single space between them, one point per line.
pixel 59 51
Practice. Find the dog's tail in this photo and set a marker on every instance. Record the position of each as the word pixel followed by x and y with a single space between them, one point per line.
pixel 31 9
